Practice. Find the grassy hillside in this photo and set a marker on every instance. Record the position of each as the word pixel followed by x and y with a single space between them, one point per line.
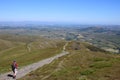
pixel 5 44
pixel 85 62
pixel 19 38
pixel 27 53
pixel 106 37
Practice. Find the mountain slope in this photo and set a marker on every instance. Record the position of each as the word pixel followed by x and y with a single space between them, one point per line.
pixel 28 53
pixel 85 62
pixel 5 44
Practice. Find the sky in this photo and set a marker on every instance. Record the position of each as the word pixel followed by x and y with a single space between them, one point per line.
pixel 70 11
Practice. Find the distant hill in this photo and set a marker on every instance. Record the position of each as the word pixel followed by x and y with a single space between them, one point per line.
pixel 103 36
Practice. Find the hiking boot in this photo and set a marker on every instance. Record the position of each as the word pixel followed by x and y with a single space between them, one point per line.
pixel 14 77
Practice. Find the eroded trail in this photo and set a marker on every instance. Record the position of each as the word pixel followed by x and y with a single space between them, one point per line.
pixel 27 69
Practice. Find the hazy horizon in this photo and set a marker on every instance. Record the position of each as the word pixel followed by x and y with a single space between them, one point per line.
pixel 8 23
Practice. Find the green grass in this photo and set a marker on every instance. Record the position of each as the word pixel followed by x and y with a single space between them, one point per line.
pixel 24 57
pixel 99 65
pixel 80 64
pixel 87 72
pixel 60 72
pixel 4 44
pixel 97 59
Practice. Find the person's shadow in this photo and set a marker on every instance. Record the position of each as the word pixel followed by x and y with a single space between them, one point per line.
pixel 10 75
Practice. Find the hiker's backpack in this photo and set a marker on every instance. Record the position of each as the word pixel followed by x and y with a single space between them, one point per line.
pixel 13 66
